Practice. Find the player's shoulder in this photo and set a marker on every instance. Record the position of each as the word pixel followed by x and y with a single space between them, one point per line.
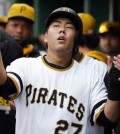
pixel 26 60
pixel 92 62
pixel 82 67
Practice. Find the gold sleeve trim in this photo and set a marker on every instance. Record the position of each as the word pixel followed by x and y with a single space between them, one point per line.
pixel 97 115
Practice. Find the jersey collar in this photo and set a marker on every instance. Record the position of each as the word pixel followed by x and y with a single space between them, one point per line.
pixel 56 67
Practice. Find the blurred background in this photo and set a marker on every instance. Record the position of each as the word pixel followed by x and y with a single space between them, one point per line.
pixel 102 10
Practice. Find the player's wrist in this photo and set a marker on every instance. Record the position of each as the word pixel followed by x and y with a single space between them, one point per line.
pixel 114 84
pixel 114 91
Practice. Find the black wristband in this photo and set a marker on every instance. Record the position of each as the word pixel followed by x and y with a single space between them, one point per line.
pixel 114 84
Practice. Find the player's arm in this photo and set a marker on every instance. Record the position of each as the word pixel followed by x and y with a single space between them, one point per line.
pixel 7 86
pixel 112 110
pixel 109 117
pixel 3 75
pixel 111 113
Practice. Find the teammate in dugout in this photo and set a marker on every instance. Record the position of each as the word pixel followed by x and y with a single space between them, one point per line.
pixel 19 26
pixel 90 40
pixel 52 93
pixel 3 22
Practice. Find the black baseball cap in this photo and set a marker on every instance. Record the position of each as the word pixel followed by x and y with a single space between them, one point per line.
pixel 64 12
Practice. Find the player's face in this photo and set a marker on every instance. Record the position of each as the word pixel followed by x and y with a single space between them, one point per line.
pixel 19 29
pixel 2 27
pixel 60 36
pixel 109 44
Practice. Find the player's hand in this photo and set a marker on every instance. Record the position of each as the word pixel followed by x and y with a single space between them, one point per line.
pixel 116 62
pixel 12 105
pixel 114 83
pixel 109 62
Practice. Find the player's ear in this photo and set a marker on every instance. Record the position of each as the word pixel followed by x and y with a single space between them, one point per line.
pixel 45 37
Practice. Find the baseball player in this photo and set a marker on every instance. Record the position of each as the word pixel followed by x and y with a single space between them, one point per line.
pixel 52 93
pixel 19 26
pixel 90 39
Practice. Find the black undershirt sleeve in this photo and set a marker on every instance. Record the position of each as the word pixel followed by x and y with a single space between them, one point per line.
pixel 8 88
pixel 103 121
pixel 106 79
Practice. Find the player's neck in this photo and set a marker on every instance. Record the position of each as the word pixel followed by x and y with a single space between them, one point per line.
pixel 58 60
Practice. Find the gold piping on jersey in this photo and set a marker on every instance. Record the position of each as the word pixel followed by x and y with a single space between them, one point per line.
pixel 81 57
pixel 55 68
pixel 16 85
pixel 97 115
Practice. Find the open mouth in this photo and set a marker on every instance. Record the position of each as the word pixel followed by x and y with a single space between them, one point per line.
pixel 61 39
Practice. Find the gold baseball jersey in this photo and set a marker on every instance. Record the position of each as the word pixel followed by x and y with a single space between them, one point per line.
pixel 50 100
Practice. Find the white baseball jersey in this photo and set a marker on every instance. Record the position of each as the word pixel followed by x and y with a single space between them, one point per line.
pixel 54 101
pixel 101 69
pixel 99 66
